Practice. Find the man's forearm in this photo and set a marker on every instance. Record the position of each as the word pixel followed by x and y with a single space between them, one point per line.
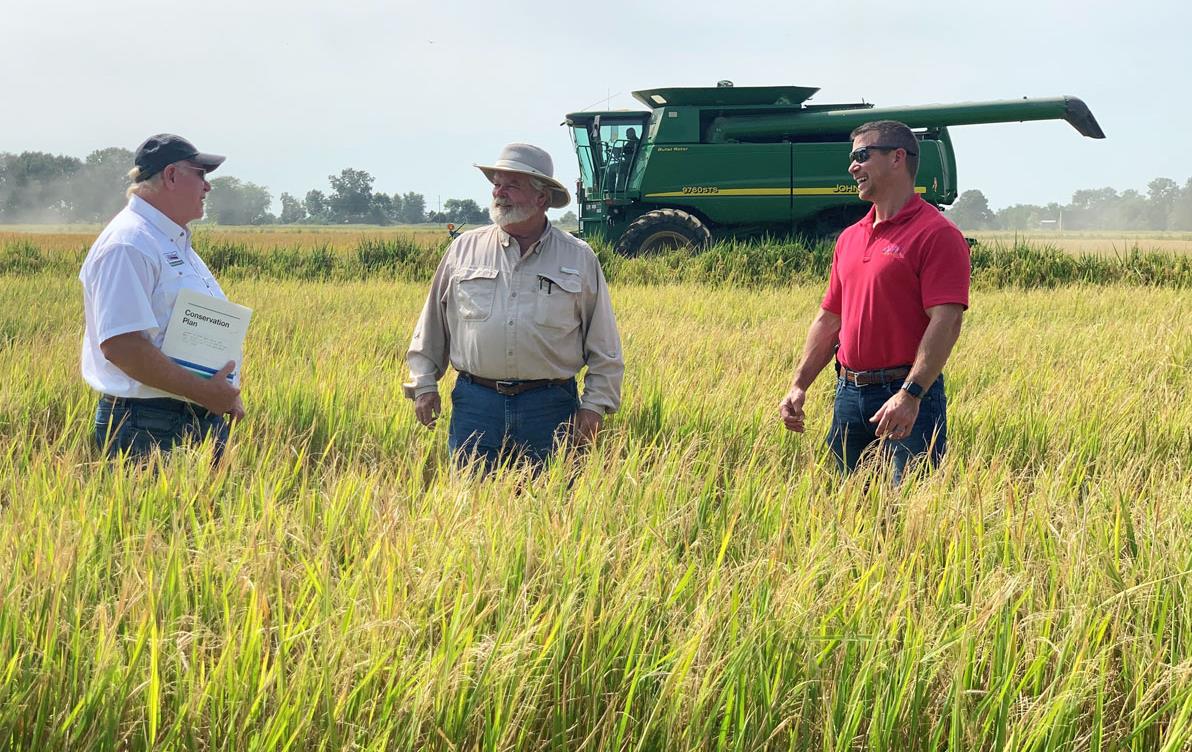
pixel 819 349
pixel 138 358
pixel 936 346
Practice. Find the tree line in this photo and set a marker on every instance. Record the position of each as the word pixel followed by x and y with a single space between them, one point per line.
pixel 36 187
pixel 1165 206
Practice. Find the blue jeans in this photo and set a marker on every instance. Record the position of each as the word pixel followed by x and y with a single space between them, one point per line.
pixel 492 427
pixel 852 434
pixel 137 426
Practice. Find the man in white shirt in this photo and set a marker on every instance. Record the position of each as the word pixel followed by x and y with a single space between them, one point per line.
pixel 131 278
pixel 518 308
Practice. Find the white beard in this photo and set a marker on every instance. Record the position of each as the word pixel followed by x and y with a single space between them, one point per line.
pixel 509 215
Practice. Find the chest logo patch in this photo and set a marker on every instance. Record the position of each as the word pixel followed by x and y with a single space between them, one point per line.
pixel 894 250
pixel 174 259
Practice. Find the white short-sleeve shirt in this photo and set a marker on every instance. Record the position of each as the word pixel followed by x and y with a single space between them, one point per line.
pixel 131 278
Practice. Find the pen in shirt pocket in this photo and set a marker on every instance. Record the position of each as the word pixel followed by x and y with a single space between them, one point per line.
pixel 549 284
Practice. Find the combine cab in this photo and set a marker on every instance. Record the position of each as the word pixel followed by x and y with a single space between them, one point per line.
pixel 722 162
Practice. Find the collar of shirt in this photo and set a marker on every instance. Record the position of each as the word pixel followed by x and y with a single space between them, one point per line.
pixel 175 233
pixel 909 210
pixel 535 247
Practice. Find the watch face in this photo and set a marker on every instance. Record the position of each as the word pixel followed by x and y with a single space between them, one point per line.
pixel 913 389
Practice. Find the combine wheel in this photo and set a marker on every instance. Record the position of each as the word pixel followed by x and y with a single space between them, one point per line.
pixel 662 230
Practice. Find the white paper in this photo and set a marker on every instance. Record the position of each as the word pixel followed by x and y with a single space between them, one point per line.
pixel 204 333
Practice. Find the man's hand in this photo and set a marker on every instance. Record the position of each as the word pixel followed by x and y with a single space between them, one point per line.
pixel 133 354
pixel 587 425
pixel 791 409
pixel 896 418
pixel 427 408
pixel 237 411
pixel 218 395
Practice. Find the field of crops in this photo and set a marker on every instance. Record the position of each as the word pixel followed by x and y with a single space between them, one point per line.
pixel 1104 243
pixel 702 580
pixel 74 237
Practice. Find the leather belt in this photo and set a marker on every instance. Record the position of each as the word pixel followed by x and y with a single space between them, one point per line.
pixel 160 403
pixel 878 376
pixel 511 388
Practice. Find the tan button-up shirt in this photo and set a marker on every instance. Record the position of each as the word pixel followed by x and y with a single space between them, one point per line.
pixel 498 314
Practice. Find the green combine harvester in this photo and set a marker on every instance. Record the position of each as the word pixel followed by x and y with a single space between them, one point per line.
pixel 722 162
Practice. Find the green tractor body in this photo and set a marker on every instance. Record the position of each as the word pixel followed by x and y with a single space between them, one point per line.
pixel 724 162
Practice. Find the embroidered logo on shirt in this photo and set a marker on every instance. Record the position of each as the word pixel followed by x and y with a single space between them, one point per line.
pixel 892 250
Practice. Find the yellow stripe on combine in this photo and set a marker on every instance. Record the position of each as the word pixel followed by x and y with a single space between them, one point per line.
pixel 827 191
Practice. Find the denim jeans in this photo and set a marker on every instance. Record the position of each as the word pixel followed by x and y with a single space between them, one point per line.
pixel 492 427
pixel 136 426
pixel 852 434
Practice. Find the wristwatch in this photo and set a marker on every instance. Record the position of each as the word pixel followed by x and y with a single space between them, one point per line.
pixel 912 389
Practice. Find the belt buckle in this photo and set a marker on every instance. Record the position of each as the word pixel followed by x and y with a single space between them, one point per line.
pixel 853 376
pixel 506 388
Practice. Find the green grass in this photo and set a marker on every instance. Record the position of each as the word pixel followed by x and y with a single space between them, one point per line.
pixel 770 263
pixel 703 580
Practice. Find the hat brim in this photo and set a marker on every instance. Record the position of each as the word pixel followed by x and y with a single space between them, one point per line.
pixel 208 162
pixel 559 195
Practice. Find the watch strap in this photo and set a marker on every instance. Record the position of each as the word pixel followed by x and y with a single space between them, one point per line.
pixel 912 389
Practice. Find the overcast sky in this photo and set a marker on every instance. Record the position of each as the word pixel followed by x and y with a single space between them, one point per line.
pixel 416 93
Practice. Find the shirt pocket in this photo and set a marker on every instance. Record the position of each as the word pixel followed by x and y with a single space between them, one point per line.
pixel 473 292
pixel 558 300
pixel 175 279
pixel 172 281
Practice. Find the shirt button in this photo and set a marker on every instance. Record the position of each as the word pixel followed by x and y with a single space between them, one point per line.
pixel 511 323
pixel 513 294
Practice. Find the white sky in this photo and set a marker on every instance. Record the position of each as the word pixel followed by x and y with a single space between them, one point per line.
pixel 293 91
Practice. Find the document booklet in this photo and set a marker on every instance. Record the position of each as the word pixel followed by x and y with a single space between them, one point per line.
pixel 204 333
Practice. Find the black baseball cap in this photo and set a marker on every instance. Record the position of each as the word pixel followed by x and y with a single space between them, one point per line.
pixel 165 149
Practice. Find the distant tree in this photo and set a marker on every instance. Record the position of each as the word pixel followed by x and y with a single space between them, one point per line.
pixel 1019 217
pixel 464 211
pixel 232 202
pixel 381 210
pixel 350 200
pixel 292 210
pixel 1180 216
pixel 35 187
pixel 1129 212
pixel 1162 194
pixel 97 191
pixel 971 211
pixel 1089 208
pixel 436 217
pixel 413 209
pixel 316 206
pixel 568 219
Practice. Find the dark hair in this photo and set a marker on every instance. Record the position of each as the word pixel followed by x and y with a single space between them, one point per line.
pixel 893 133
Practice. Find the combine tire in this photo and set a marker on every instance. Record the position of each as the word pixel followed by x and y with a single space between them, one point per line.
pixel 662 230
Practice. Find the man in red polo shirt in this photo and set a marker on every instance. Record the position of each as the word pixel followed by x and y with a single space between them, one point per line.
pixel 896 296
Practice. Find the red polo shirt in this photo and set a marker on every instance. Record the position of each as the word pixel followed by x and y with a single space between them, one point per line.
pixel 884 278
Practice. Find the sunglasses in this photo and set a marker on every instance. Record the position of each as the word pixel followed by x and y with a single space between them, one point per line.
pixel 200 171
pixel 861 156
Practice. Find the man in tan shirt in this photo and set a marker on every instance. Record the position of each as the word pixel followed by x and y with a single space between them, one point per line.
pixel 517 308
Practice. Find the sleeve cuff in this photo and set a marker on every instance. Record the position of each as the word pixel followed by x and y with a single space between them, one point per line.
pixel 591 407
pixel 413 391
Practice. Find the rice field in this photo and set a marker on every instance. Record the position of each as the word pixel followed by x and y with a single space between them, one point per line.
pixel 1104 243
pixel 701 580
pixel 75 237
pixel 71 238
